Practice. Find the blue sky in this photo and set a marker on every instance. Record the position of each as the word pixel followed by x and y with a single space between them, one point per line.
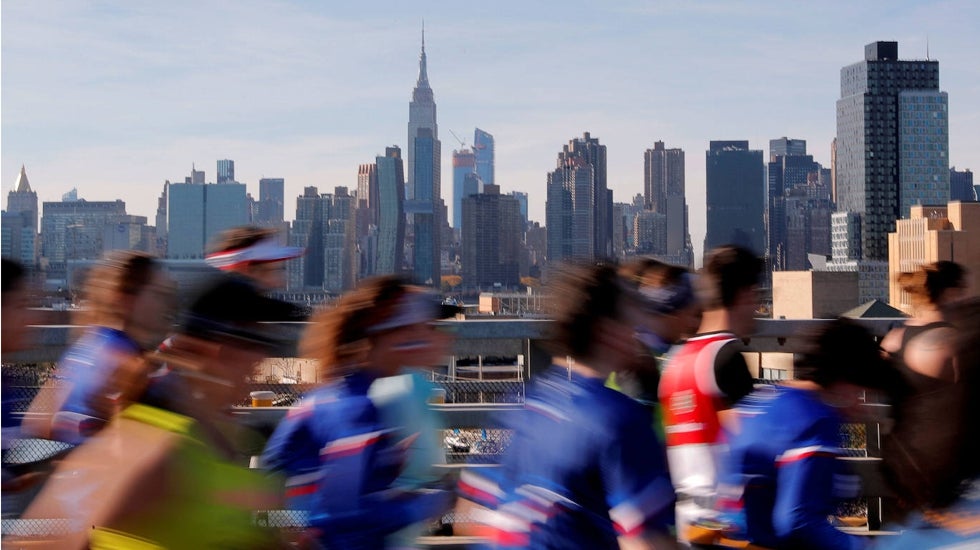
pixel 115 97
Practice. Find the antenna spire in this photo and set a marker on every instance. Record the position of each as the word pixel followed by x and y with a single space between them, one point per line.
pixel 423 81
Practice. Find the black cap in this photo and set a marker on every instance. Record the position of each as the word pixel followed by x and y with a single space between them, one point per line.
pixel 231 308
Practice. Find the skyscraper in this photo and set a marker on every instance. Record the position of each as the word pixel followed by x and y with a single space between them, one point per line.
pixel 20 219
pixel 735 196
pixel 785 146
pixel 522 201
pixel 570 211
pixel 23 199
pixel 892 142
pixel 421 114
pixel 341 264
pixel 664 193
pixel 464 165
pixel 367 192
pixel 426 210
pixel 161 217
pixel 272 195
pixel 580 203
pixel 961 185
pixel 491 239
pixel 483 149
pixel 391 212
pixel 226 171
pixel 788 169
pixel 306 272
pixel 197 212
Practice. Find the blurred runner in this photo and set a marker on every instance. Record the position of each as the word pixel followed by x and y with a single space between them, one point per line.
pixel 126 309
pixel 165 473
pixel 342 456
pixel 253 256
pixel 584 468
pixel 15 321
pixel 671 312
pixel 706 376
pixel 781 479
pixel 940 476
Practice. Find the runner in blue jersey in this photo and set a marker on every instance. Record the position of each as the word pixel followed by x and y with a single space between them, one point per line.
pixel 341 457
pixel 584 468
pixel 781 479
pixel 126 307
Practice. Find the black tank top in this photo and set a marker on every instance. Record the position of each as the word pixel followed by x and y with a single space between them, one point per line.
pixel 917 383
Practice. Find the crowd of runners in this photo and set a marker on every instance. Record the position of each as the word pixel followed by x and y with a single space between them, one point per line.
pixel 648 430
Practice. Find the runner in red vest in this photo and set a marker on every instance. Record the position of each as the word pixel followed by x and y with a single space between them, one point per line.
pixel 706 376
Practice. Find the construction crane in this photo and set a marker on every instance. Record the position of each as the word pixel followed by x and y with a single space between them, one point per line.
pixel 462 143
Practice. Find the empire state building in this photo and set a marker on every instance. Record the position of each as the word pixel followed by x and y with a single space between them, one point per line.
pixel 421 115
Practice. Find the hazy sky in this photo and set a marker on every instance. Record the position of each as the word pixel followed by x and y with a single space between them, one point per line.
pixel 115 97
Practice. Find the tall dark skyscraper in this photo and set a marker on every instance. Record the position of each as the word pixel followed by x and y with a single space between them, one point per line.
pixel 892 142
pixel 491 239
pixel 664 193
pixel 391 213
pixel 426 210
pixel 579 205
pixel 736 196
pixel 421 114
pixel 483 149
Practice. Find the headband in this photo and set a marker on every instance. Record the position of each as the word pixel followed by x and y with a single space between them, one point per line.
pixel 266 250
pixel 414 308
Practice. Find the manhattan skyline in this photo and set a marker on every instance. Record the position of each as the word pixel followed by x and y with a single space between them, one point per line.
pixel 116 98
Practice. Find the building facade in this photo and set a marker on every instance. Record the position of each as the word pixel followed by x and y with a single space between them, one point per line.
pixel 270 210
pixel 664 193
pixel 426 210
pixel 961 185
pixel 20 222
pixel 892 140
pixel 464 168
pixel 491 239
pixel 931 234
pixel 483 145
pixel 74 230
pixel 813 294
pixel 788 170
pixel 198 212
pixel 226 171
pixel 391 213
pixel 736 196
pixel 570 212
pixel 580 203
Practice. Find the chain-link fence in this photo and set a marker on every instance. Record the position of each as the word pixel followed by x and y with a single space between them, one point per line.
pixel 854 439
